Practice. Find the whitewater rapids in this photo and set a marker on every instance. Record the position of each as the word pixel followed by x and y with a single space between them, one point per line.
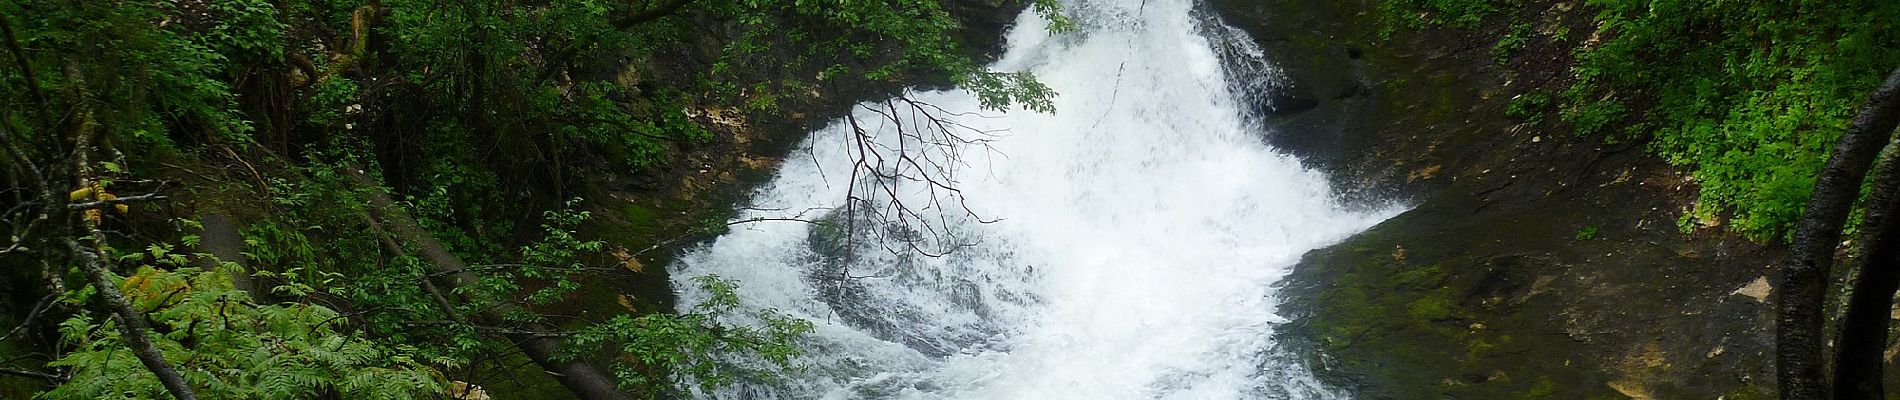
pixel 1122 247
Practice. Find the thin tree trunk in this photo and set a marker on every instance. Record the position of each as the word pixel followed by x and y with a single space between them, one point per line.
pixel 1863 332
pixel 26 68
pixel 1798 313
pixel 132 326
pixel 584 380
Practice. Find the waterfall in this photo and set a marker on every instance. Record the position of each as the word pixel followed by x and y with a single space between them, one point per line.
pixel 1123 247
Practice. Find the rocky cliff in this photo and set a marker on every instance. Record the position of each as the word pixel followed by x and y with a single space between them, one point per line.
pixel 1533 263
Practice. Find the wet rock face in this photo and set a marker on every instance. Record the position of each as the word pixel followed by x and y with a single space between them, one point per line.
pixel 1313 112
pixel 1534 264
pixel 1285 104
pixel 983 23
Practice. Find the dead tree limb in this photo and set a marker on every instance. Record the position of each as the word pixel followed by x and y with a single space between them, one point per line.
pixel 1799 318
pixel 26 67
pixel 56 379
pixel 65 231
pixel 584 380
pixel 132 326
pixel 90 205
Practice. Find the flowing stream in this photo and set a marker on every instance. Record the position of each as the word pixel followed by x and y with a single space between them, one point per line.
pixel 1125 246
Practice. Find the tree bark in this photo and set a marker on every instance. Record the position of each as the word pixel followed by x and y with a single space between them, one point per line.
pixel 584 380
pixel 62 233
pixel 132 326
pixel 26 68
pixel 1863 332
pixel 1798 314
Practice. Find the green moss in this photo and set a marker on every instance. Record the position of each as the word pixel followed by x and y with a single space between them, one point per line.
pixel 1750 392
pixel 1421 278
pixel 1430 308
pixel 1543 389
pixel 639 217
pixel 1478 348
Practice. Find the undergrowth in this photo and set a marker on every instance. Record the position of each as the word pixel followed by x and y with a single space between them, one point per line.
pixel 1748 96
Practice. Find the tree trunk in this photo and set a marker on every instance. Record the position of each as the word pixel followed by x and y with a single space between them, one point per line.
pixel 1798 313
pixel 1863 332
pixel 584 380
pixel 132 326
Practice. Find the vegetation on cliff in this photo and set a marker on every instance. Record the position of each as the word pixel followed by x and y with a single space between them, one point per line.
pixel 1749 95
pixel 377 199
pixel 1776 109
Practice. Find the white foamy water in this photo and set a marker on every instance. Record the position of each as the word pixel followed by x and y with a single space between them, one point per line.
pixel 1137 231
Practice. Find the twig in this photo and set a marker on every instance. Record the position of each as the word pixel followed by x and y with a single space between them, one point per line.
pixel 472 268
pixel 33 313
pixel 112 202
pixel 33 374
pixel 494 329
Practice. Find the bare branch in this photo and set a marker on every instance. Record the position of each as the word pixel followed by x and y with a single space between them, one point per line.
pixel 927 149
pixel 117 201
pixel 493 329
pixel 56 379
pixel 690 234
pixel 19 60
pixel 132 324
pixel 484 267
pixel 31 314
pixel 584 380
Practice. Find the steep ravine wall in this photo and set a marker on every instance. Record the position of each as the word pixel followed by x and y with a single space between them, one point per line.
pixel 1533 264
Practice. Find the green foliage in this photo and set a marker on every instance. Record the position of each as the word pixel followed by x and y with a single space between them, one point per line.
pixel 1594 117
pixel 243 30
pixel 1418 14
pixel 698 346
pixel 1529 107
pixel 481 113
pixel 501 87
pixel 136 80
pixel 1750 94
pixel 1587 233
pixel 555 261
pixel 1516 39
pixel 1561 35
pixel 228 347
pixel 834 30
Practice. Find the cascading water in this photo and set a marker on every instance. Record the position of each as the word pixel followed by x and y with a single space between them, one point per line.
pixel 1123 247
